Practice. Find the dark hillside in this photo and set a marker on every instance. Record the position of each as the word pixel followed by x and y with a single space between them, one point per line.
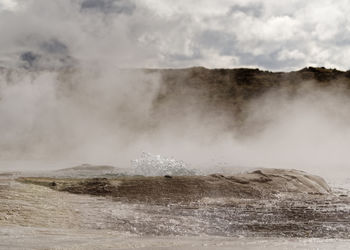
pixel 229 90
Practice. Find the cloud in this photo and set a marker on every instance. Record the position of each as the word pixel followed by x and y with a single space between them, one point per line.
pixel 109 6
pixel 54 46
pixel 148 33
pixel 8 4
pixel 48 55
pixel 29 58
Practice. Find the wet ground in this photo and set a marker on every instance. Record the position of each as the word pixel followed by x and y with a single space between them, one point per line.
pixel 36 217
pixel 46 238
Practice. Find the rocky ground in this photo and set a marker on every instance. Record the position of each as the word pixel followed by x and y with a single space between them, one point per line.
pixel 258 184
pixel 280 204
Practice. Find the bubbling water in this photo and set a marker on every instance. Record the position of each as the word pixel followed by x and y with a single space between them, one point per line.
pixel 157 165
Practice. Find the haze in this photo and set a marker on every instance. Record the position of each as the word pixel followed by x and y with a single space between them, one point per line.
pixel 70 92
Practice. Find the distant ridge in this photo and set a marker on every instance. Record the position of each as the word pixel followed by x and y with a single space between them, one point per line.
pixel 202 91
pixel 228 90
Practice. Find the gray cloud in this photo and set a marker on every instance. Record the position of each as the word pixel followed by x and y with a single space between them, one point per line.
pixel 54 46
pixel 29 59
pixel 49 54
pixel 225 43
pixel 150 33
pixel 254 9
pixel 269 61
pixel 109 6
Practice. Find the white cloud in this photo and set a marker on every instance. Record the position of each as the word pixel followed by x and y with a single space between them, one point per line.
pixel 8 5
pixel 287 54
pixel 148 33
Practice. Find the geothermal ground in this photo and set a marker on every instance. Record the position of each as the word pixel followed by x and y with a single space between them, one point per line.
pixel 267 208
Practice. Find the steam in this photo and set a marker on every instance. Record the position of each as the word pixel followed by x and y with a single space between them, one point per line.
pixel 108 117
pixel 67 97
pixel 309 130
pixel 73 114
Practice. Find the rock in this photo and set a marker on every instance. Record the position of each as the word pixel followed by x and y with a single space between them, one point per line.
pixel 262 183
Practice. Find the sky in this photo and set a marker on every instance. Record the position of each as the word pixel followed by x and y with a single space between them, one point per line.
pixel 271 35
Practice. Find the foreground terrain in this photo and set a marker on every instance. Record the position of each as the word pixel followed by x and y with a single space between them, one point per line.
pixel 263 203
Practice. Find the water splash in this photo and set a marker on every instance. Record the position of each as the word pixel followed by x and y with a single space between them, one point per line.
pixel 156 165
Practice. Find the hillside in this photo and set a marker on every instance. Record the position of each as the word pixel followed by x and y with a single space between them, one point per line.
pixel 229 90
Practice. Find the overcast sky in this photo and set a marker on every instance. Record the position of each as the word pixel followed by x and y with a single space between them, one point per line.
pixel 269 34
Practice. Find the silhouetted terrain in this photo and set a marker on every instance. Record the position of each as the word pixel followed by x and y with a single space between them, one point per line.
pixel 229 90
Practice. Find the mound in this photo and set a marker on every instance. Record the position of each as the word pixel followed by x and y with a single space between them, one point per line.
pixel 262 183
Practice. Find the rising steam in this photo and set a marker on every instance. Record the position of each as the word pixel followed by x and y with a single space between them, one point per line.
pixel 109 117
pixel 65 97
